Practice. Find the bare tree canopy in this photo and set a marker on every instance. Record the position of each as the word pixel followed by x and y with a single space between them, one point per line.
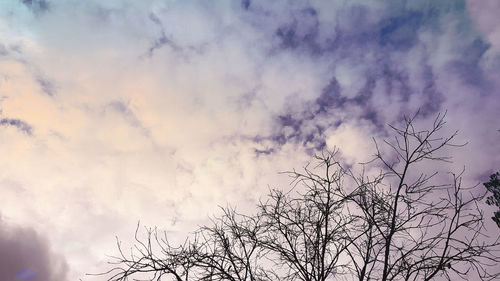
pixel 398 223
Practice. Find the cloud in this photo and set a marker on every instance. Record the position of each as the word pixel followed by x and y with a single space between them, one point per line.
pixel 157 109
pixel 46 85
pixel 18 123
pixel 485 15
pixel 245 4
pixel 37 6
pixel 125 110
pixel 3 50
pixel 162 40
pixel 381 64
pixel 26 256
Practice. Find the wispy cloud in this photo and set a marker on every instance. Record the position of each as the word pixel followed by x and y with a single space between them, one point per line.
pixel 17 123
pixel 46 85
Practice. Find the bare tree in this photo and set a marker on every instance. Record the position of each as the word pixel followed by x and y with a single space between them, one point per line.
pixel 397 224
pixel 307 232
pixel 416 227
pixel 225 250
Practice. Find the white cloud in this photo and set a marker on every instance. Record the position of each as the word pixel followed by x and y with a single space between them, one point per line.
pixel 182 143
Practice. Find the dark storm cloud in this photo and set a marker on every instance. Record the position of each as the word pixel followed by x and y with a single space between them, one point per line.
pixel 18 123
pixel 25 256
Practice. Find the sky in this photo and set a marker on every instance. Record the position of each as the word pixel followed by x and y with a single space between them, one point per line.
pixel 119 111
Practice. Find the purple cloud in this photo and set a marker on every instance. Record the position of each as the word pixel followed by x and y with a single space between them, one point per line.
pixel 398 52
pixel 19 124
pixel 26 256
pixel 46 85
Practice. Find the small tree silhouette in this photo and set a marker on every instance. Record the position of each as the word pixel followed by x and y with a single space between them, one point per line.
pixel 493 186
pixel 333 224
